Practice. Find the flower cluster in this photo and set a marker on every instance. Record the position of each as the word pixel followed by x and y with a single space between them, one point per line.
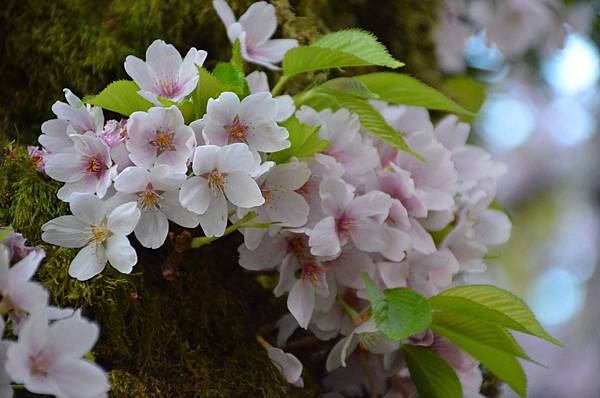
pixel 318 221
pixel 49 355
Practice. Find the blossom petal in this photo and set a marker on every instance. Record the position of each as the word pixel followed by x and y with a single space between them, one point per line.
pixel 87 208
pixel 195 195
pixel 224 12
pixel 66 231
pixel 259 21
pixel 301 301
pixel 73 337
pixel 324 240
pixel 89 262
pixel 73 377
pixel 152 228
pixel 214 220
pixel 123 219
pixel 242 191
pixel 132 180
pixel 236 157
pixel 120 253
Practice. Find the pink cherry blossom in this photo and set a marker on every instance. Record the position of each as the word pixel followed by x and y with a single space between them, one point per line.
pixel 288 365
pixel 87 168
pixel 160 136
pixel 157 194
pixel 165 74
pixel 47 359
pixel 258 83
pixel 254 30
pixel 114 136
pixel 37 157
pixel 6 390
pixel 251 121
pixel 221 175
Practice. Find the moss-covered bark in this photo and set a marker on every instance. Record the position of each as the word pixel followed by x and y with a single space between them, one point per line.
pixel 189 330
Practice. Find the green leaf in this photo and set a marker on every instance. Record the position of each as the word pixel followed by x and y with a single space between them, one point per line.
pixel 317 100
pixel 398 312
pixel 372 120
pixel 397 88
pixel 120 96
pixel 341 49
pixel 4 232
pixel 236 56
pixel 480 345
pixel 304 140
pixel 208 87
pixel 432 376
pixel 467 91
pixel 494 305
pixel 347 86
pixel 231 76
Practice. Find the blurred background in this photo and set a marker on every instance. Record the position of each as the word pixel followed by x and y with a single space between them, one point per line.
pixel 539 62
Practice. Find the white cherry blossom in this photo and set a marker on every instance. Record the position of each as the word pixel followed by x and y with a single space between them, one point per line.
pixel 100 231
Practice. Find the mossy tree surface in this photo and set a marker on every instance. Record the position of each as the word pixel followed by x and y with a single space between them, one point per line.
pixel 191 334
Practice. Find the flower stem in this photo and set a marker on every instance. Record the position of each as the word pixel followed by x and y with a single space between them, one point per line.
pixel 279 85
pixel 205 240
pixel 262 341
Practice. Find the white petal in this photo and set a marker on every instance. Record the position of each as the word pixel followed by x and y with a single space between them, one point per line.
pixel 165 178
pixel 257 108
pixel 120 253
pixel 152 228
pixel 195 195
pixel 87 207
pixel 259 21
pixel 205 159
pixel 340 352
pixel 172 208
pixel 74 377
pixel 269 254
pixel 224 12
pixel 132 180
pixel 27 266
pixel 257 82
pixel 66 231
pixel 214 220
pixel 324 240
pixel 123 219
pixel 64 167
pixel 288 208
pixel 89 262
pixel 289 366
pixel 73 337
pixel 223 109
pixel 301 301
pixel 236 157
pixel 242 191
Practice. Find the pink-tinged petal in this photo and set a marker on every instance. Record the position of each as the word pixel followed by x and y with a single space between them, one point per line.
pixel 195 195
pixel 215 134
pixel 350 264
pixel 72 337
pixel 164 60
pixel 236 157
pixel 132 180
pixel 87 208
pixel 224 12
pixel 259 22
pixel 436 199
pixel 421 239
pixel 80 118
pixel 493 228
pixel 267 137
pixel 172 208
pixel 236 31
pixel 287 177
pixel 257 82
pixel 152 228
pixel 214 220
pixel 66 231
pixel 188 73
pixel 469 255
pixel 287 275
pixel 437 220
pixel 368 235
pixel 223 109
pixel 141 74
pixel 399 214
pixel 242 191
pixel 257 108
pixel 394 274
pixel 288 365
pixel 87 185
pixel 27 296
pixel 92 146
pixel 397 243
pixel 54 136
pixel 89 262
pixel 324 239
pixel 150 96
pixel 371 204
pixel 64 167
pixel 451 133
pixel 27 266
pixel 273 50
pixel 205 159
pixel 335 195
pixel 285 108
pixel 74 376
pixel 254 236
pixel 123 219
pixel 121 255
pixel 288 208
pixel 269 254
pixel 301 301
pixel 17 360
pixel 286 326
pixel 340 352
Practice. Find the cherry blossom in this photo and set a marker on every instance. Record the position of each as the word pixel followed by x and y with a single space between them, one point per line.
pixel 114 136
pixel 349 218
pixel 37 157
pixel 157 195
pixel 87 168
pixel 221 175
pixel 254 30
pixel 251 121
pixel 165 74
pixel 160 136
pixel 6 390
pixel 100 231
pixel 288 365
pixel 47 357
pixel 258 83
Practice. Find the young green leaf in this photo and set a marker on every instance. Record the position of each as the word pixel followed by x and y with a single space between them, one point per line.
pixel 341 49
pixel 487 343
pixel 304 140
pixel 432 376
pixel 398 312
pixel 397 88
pixel 236 56
pixel 5 232
pixel 468 92
pixel 499 306
pixel 229 75
pixel 372 120
pixel 347 86
pixel 316 100
pixel 120 96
